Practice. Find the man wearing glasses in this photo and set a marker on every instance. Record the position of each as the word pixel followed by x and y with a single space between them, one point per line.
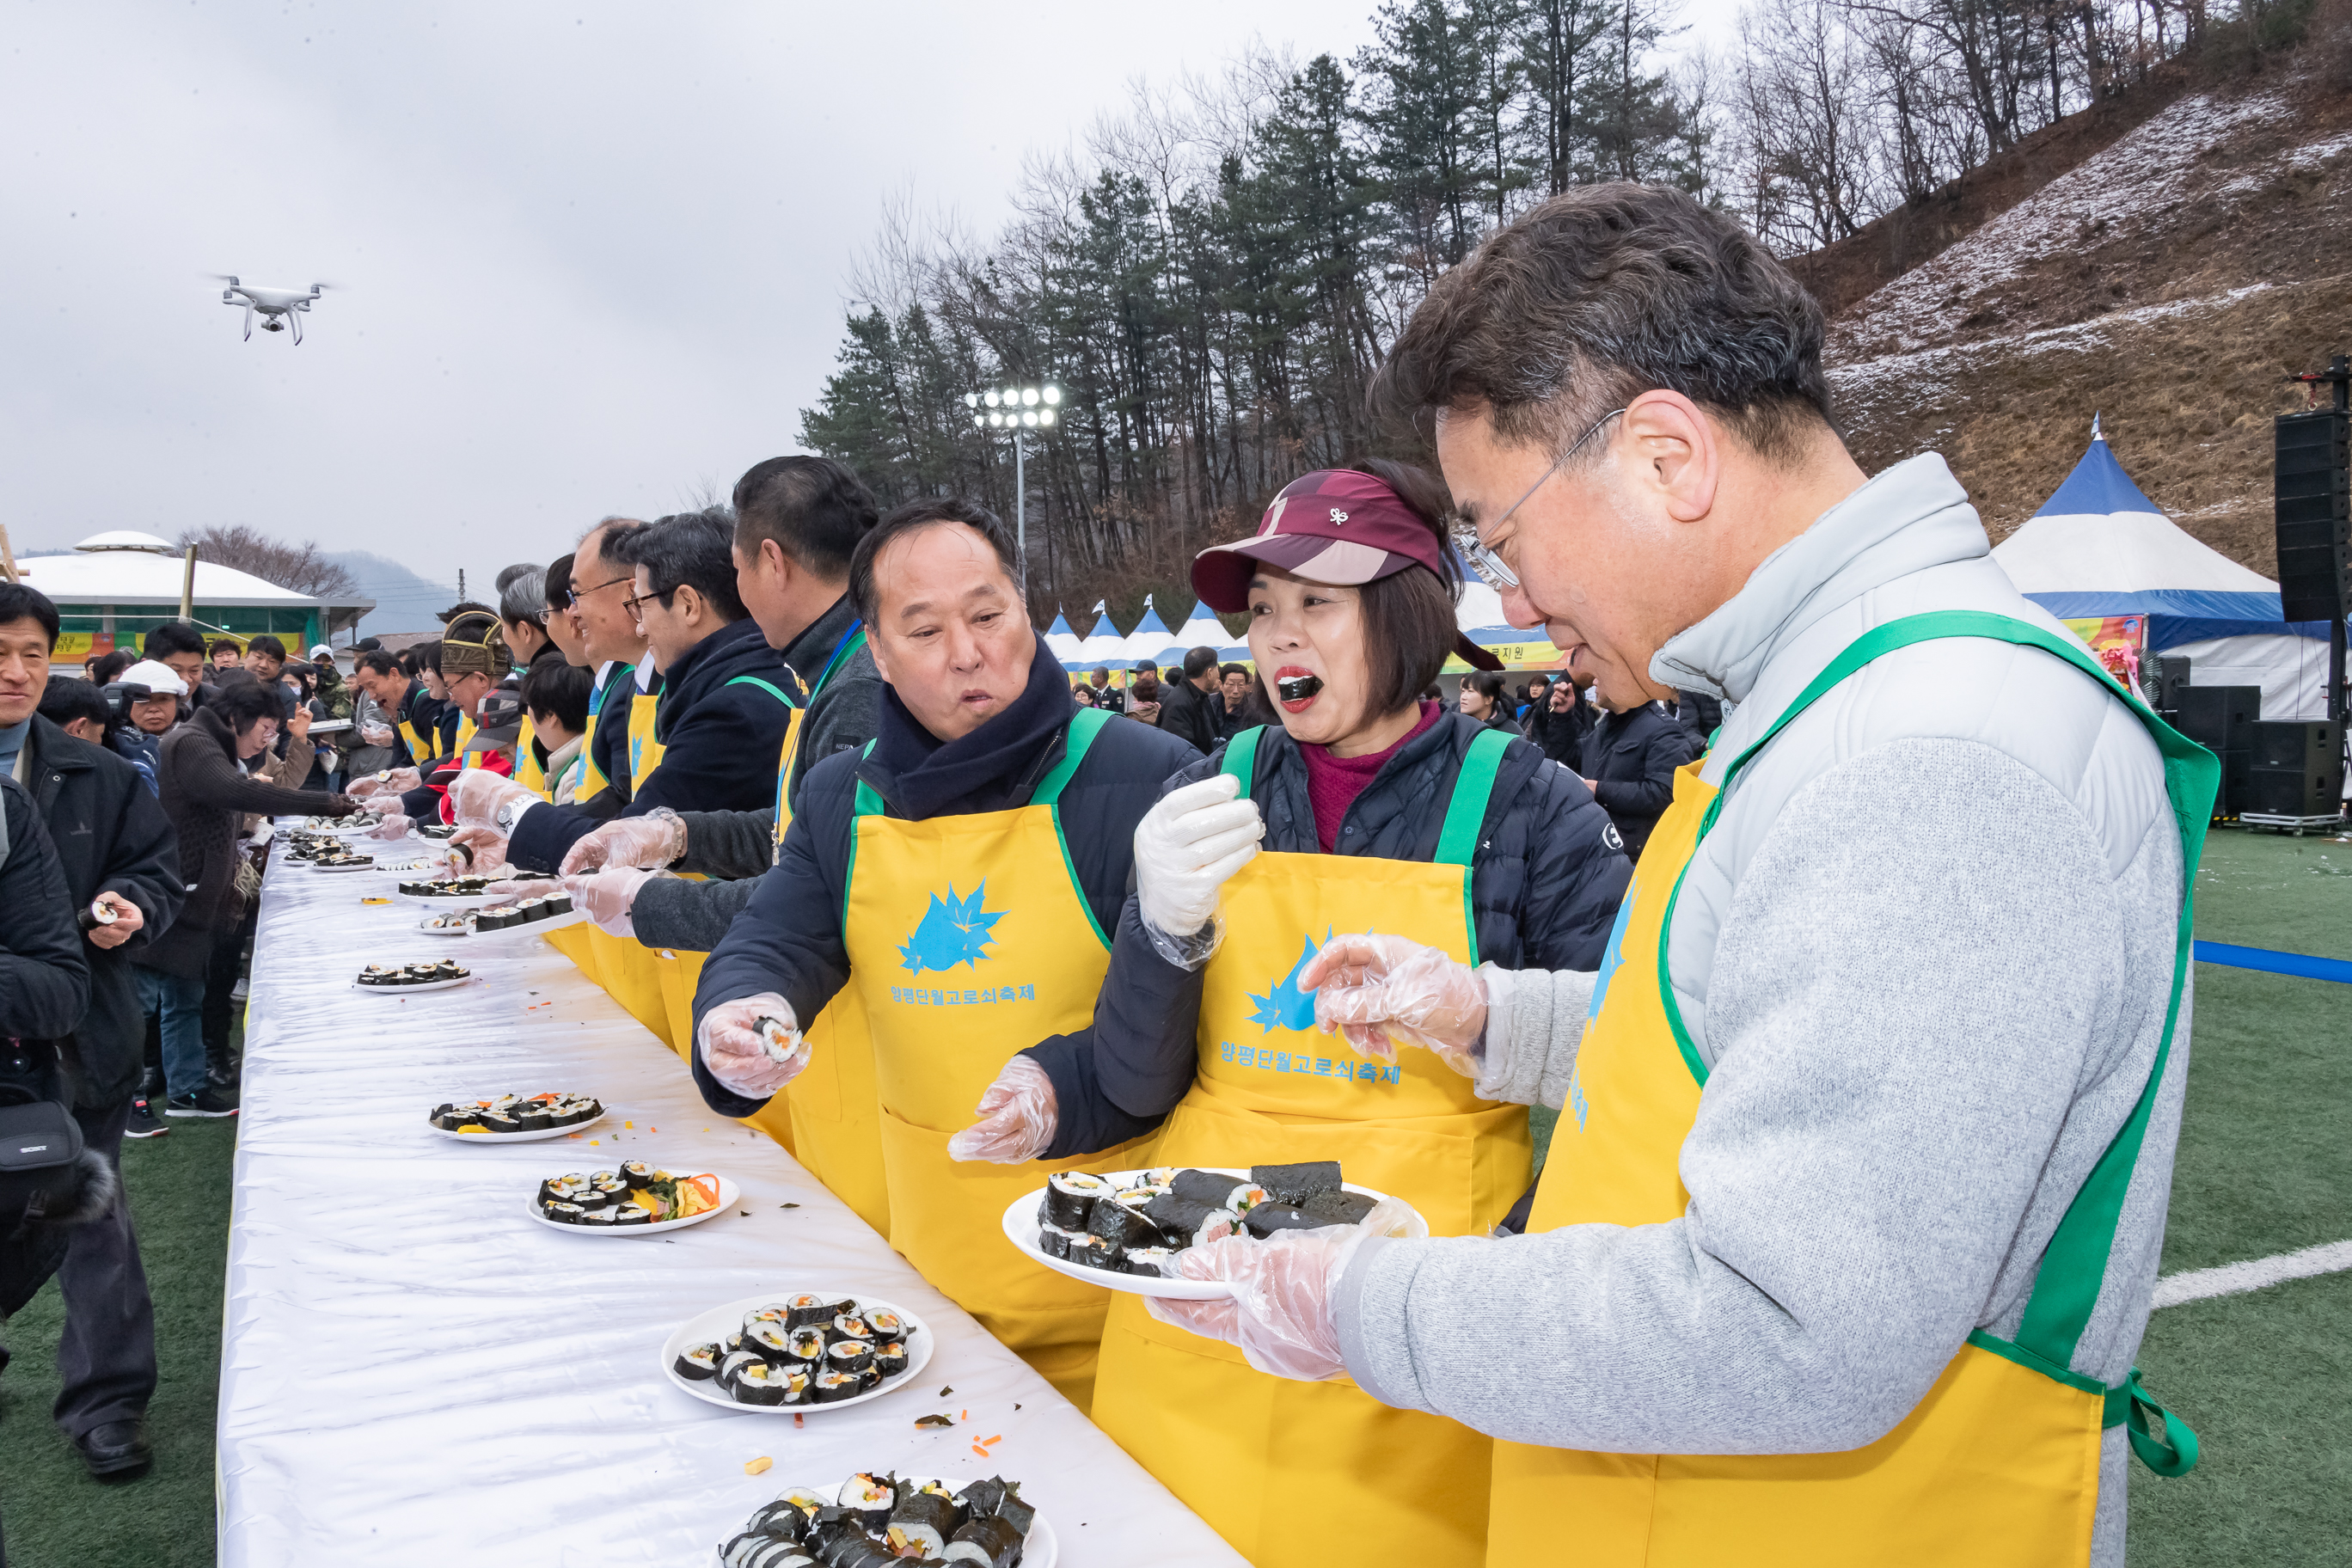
pixel 612 646
pixel 727 698
pixel 1844 1245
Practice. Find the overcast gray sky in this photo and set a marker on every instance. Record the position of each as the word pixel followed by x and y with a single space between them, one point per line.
pixel 588 257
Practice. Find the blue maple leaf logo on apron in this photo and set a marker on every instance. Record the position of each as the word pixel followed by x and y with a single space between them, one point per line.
pixel 953 931
pixel 1286 1006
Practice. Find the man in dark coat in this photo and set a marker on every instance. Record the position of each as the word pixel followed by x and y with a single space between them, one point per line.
pixel 116 849
pixel 1192 709
pixel 1560 723
pixel 1629 761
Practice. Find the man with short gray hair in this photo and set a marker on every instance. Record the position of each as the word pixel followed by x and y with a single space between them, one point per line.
pixel 1845 1242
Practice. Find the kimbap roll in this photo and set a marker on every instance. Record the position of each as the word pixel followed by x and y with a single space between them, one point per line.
pixel 891 1360
pixel 784 1518
pixel 993 1541
pixel 848 1326
pixel 1217 1188
pixel 626 1215
pixel 805 1344
pixel 1185 1221
pixel 1070 1197
pixel 697 1363
pixel 637 1173
pixel 922 1522
pixel 805 1308
pixel 566 1214
pixel 1095 1253
pixel 1121 1226
pixel 1295 1184
pixel 870 1498
pixel 885 1323
pixel 731 1365
pixel 1152 1262
pixel 1268 1218
pixel 850 1355
pixel 833 1385
pixel 1339 1207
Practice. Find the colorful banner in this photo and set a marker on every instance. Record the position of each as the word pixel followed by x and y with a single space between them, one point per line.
pixel 2116 642
pixel 74 648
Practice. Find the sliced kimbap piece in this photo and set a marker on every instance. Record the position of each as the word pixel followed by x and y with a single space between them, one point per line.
pixel 1186 1221
pixel 805 1308
pixel 611 1182
pixel 980 1499
pixel 923 1521
pixel 1054 1241
pixel 499 1122
pixel 758 1383
pixel 993 1541
pixel 1153 1262
pixel 797 1382
pixel 1015 1512
pixel 532 909
pixel 558 904
pixel 737 1552
pixel 1217 1188
pixel 891 1360
pixel 637 1173
pixel 885 1323
pixel 784 1518
pixel 1294 1184
pixel 1121 1226
pixel 592 1197
pixel 805 1499
pixel 566 1212
pixel 534 1118
pixel 1268 1218
pixel 850 1355
pixel 870 1498
pixel 627 1214
pixel 699 1363
pixel 805 1344
pixel 1338 1208
pixel 833 1385
pixel 771 1340
pixel 850 1326
pixel 1095 1253
pixel 1070 1197
pixel 598 1219
pixel 732 1362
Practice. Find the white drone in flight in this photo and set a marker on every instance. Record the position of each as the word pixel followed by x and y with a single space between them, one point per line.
pixel 279 308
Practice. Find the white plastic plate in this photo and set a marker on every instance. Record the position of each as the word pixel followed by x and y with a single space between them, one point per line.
pixel 371 866
pixel 540 1136
pixel 345 828
pixel 1040 1550
pixel 329 726
pixel 1021 1230
pixel 413 990
pixel 446 901
pixel 718 1322
pixel 729 1194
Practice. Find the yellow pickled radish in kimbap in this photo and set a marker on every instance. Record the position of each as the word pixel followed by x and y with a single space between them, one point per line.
pixel 699 1363
pixel 922 1522
pixel 1070 1199
pixel 759 1381
pixel 870 1495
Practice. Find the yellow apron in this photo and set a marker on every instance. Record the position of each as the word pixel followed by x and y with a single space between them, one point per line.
pixel 1272 1090
pixel 1999 1463
pixel 630 972
pixel 970 939
pixel 826 1116
pixel 465 734
pixel 645 752
pixel 528 771
pixel 592 781
pixel 420 749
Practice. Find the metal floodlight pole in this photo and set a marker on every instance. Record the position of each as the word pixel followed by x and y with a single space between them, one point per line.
pixel 1015 410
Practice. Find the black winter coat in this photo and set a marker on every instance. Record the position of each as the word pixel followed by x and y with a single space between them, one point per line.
pixel 111 836
pixel 44 980
pixel 1192 715
pixel 789 940
pixel 1631 758
pixel 1560 736
pixel 722 735
pixel 1544 889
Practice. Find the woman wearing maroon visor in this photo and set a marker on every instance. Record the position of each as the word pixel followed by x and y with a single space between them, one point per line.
pixel 1377 813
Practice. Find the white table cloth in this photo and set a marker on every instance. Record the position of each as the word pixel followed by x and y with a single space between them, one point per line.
pixel 414 1373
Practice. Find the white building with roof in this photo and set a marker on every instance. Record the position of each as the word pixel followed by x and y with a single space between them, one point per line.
pixel 114 585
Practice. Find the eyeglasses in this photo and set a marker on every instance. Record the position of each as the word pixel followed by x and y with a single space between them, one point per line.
pixel 571 596
pixel 1491 568
pixel 660 596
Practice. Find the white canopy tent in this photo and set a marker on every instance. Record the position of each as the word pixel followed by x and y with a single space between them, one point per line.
pixel 1061 642
pixel 1103 645
pixel 1149 639
pixel 2100 556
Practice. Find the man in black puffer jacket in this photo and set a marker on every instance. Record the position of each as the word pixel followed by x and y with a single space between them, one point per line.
pixel 1141 1054
pixel 1630 759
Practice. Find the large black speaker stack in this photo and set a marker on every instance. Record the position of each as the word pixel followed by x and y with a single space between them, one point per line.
pixel 2312 512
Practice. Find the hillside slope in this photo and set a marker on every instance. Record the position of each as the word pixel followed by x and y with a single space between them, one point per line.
pixel 2171 280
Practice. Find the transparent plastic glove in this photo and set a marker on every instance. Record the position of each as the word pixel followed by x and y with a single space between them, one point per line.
pixel 1017 1116
pixel 395 782
pixel 475 794
pixel 608 896
pixel 377 735
pixel 1280 1310
pixel 1374 989
pixel 474 852
pixel 1185 847
pixel 651 841
pixel 392 826
pixel 737 1054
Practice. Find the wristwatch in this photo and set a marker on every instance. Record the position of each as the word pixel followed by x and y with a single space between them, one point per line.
pixel 510 813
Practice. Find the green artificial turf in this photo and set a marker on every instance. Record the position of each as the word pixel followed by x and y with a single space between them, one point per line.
pixel 53 1513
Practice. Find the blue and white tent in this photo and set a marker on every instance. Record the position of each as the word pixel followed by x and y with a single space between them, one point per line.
pixel 1205 630
pixel 2099 549
pixel 1151 637
pixel 1061 641
pixel 1102 646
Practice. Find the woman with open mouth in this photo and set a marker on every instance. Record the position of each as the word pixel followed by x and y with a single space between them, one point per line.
pixel 1365 809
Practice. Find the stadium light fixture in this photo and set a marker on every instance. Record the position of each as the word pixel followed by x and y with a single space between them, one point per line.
pixel 1015 410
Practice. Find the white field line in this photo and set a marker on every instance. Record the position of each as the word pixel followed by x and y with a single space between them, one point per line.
pixel 2232 1279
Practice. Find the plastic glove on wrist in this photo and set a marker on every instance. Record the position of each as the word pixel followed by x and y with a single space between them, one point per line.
pixel 392 826
pixel 397 782
pixel 1280 1310
pixel 1017 1114
pixel 1375 989
pixel 744 1056
pixel 606 896
pixel 377 735
pixel 475 794
pixel 474 852
pixel 1186 849
pixel 651 841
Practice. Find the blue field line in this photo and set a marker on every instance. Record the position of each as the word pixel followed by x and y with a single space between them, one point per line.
pixel 2296 963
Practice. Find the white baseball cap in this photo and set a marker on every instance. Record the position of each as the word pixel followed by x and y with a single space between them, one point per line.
pixel 322 648
pixel 154 676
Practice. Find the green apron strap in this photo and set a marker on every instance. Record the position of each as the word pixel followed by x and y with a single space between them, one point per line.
pixel 868 803
pixel 1083 729
pixel 853 640
pixel 1474 786
pixel 1241 758
pixel 2067 1282
pixel 774 691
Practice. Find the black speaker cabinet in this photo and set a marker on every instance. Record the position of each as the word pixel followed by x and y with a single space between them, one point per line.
pixel 2311 498
pixel 2294 768
pixel 2218 717
pixel 2172 681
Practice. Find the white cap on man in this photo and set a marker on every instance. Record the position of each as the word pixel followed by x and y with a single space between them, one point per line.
pixel 321 651
pixel 156 677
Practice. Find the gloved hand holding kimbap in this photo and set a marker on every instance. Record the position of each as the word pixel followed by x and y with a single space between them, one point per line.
pixel 1186 849
pixel 392 826
pixel 377 735
pixel 753 1046
pixel 1375 990
pixel 1017 1116
pixel 651 841
pixel 399 781
pixel 608 896
pixel 475 794
pixel 475 852
pixel 1280 1312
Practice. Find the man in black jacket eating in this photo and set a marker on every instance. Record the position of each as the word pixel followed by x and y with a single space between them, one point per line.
pixel 120 863
pixel 1630 759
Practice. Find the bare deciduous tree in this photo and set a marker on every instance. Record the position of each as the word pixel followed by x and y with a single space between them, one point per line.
pixel 299 567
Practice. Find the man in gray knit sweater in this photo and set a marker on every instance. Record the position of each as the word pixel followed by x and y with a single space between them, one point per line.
pixel 1846 1239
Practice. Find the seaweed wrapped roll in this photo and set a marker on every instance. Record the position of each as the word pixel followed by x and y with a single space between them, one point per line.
pixel 1070 1197
pixel 698 1363
pixel 992 1541
pixel 805 1308
pixel 1121 1226
pixel 1152 1262
pixel 1217 1189
pixel 1295 1184
pixel 757 1382
pixel 1268 1218
pixel 1339 1207
pixel 870 1498
pixel 850 1355
pixel 626 1215
pixel 924 1521
pixel 891 1360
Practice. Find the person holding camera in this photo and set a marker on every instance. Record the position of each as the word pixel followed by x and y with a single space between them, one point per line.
pixel 119 862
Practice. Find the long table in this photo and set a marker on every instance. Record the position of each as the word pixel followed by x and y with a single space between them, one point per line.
pixel 413 1372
